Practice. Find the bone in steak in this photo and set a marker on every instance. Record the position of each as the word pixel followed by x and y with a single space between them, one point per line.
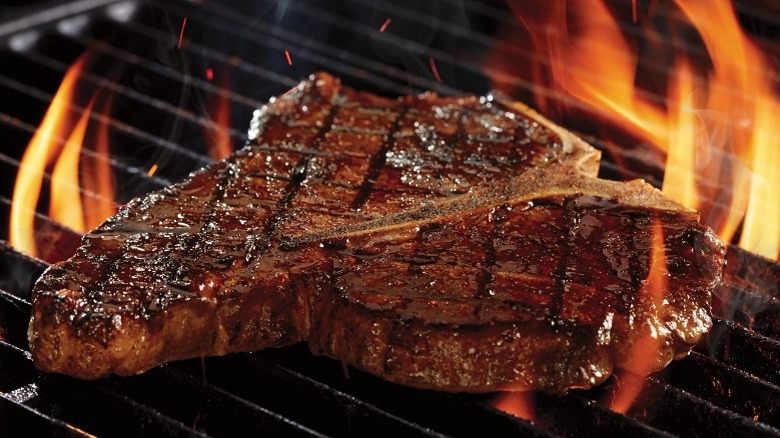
pixel 461 244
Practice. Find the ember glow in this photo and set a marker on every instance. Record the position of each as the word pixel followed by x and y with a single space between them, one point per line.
pixel 181 33
pixel 218 138
pixel 715 122
pixel 81 187
pixel 434 70
pixel 385 24
pixel 288 57
pixel 518 404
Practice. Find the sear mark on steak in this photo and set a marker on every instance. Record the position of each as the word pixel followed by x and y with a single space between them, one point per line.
pixel 460 244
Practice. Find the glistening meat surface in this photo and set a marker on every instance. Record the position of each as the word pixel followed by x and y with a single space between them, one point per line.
pixel 461 244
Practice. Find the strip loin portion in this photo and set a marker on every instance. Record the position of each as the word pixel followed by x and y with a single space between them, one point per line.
pixel 459 244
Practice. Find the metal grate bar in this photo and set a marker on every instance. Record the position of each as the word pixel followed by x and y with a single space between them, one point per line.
pixel 258 31
pixel 699 385
pixel 572 415
pixel 662 404
pixel 116 164
pixel 135 391
pixel 453 415
pixel 171 40
pixel 17 419
pixel 75 402
pixel 656 184
pixel 147 32
pixel 12 167
pixel 335 381
pixel 364 31
pixel 134 59
pixel 197 403
pixel 628 28
pixel 52 14
pixel 756 311
pixel 743 349
pixel 489 43
pixel 141 135
pixel 13 342
pixel 20 272
pixel 726 387
pixel 134 95
pixel 15 368
pixel 328 410
pixel 127 173
pixel 752 272
pixel 244 416
pixel 55 242
pixel 251 67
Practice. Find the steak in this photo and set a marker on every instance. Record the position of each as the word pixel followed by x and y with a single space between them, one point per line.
pixel 459 244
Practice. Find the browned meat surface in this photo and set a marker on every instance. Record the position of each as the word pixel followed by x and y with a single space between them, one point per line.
pixel 458 244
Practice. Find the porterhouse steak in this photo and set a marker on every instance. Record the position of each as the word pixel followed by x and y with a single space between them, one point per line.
pixel 461 244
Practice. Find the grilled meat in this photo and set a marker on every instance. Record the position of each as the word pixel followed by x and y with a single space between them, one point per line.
pixel 461 244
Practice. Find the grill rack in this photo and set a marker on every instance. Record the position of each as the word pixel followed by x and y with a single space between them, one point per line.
pixel 729 385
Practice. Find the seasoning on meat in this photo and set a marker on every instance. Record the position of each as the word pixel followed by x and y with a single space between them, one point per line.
pixel 460 244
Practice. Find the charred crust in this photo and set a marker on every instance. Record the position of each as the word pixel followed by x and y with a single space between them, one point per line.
pixel 476 251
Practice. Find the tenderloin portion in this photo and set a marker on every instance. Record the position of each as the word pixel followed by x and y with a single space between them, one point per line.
pixel 460 244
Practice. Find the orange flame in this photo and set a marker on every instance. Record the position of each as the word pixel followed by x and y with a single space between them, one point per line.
pixel 761 223
pixel 181 33
pixel 718 131
pixel 741 89
pixel 643 355
pixel 40 153
pixel 99 181
pixel 596 65
pixel 680 173
pixel 66 206
pixel 220 142
pixel 385 24
pixel 57 147
pixel 518 404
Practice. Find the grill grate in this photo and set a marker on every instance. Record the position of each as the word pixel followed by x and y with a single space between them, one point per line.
pixel 161 115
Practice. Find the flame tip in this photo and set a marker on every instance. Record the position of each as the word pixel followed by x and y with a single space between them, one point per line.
pixel 79 200
pixel 715 120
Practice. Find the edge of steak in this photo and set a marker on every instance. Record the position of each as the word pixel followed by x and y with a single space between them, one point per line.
pixel 459 244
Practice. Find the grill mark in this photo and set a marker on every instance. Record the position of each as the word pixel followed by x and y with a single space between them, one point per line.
pixel 173 272
pixel 378 161
pixel 167 275
pixel 101 281
pixel 253 249
pixel 573 217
